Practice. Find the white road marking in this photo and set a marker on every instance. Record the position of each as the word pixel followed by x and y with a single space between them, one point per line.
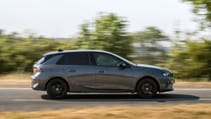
pixel 41 100
pixel 191 89
pixel 205 99
pixel 27 100
pixel 15 88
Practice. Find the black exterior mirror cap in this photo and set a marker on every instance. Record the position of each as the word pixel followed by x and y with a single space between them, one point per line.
pixel 122 65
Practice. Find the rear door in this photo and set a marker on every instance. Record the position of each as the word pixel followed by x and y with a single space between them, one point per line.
pixel 79 70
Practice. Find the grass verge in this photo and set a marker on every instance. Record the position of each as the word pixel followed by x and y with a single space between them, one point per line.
pixel 195 111
pixel 15 76
pixel 192 84
pixel 15 79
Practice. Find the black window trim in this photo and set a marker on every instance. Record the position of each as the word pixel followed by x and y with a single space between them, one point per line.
pixel 92 59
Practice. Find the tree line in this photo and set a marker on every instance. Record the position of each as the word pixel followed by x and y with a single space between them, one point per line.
pixel 187 59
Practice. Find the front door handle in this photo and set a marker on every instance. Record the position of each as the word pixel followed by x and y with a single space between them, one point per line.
pixel 100 71
pixel 72 70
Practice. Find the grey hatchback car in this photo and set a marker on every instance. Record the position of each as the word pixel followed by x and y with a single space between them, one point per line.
pixel 97 71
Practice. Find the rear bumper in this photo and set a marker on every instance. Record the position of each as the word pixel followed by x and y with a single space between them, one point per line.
pixel 38 83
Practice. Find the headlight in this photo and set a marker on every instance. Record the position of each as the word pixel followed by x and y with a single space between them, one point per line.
pixel 166 74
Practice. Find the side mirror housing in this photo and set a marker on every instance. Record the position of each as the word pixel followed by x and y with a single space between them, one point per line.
pixel 122 65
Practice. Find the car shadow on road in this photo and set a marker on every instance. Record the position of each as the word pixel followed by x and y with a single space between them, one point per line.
pixel 165 97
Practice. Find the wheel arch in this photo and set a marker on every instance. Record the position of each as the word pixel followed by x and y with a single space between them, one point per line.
pixel 149 77
pixel 57 77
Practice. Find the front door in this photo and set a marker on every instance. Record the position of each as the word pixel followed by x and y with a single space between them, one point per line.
pixel 109 76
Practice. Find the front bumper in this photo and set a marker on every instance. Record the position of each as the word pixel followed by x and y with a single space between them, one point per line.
pixel 167 84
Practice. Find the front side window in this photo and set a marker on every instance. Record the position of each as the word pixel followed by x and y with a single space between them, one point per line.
pixel 75 59
pixel 106 60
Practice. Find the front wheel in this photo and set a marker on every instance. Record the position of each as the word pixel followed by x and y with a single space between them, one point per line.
pixel 147 88
pixel 57 89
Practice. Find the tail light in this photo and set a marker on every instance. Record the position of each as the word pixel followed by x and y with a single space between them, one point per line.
pixel 36 70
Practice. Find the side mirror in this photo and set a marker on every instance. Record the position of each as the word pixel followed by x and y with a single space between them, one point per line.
pixel 122 65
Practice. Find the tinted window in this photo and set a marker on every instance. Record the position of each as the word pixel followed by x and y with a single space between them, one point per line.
pixel 53 59
pixel 40 61
pixel 75 59
pixel 44 59
pixel 106 60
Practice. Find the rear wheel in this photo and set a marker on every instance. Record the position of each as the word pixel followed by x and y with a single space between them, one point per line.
pixel 57 89
pixel 147 88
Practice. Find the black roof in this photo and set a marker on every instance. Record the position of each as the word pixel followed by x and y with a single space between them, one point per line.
pixel 69 51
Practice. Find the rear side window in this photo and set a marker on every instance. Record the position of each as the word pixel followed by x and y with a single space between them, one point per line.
pixel 75 59
pixel 46 59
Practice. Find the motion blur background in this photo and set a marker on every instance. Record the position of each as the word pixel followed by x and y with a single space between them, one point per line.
pixel 175 34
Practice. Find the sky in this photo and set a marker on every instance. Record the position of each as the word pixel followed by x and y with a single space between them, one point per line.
pixel 62 18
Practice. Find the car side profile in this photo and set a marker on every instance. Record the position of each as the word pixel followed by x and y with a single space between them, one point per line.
pixel 97 71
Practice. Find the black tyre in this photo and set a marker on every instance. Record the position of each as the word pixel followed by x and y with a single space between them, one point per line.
pixel 147 88
pixel 57 89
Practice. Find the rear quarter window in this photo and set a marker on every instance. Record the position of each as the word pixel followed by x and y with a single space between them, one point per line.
pixel 40 61
pixel 53 59
pixel 49 59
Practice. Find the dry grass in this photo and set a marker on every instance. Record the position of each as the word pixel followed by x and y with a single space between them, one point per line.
pixel 15 76
pixel 193 84
pixel 15 83
pixel 197 111
pixel 15 80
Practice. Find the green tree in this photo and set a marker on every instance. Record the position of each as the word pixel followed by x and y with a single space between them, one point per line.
pixel 148 45
pixel 150 35
pixel 84 38
pixel 106 33
pixel 20 53
pixel 192 59
pixel 202 8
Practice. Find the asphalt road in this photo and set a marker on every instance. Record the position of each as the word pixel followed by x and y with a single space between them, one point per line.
pixel 18 99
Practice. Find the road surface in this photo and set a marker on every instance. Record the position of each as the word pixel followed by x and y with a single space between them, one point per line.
pixel 26 99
